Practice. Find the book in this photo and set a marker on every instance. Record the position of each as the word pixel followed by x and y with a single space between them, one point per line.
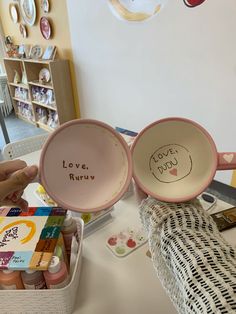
pixel 28 239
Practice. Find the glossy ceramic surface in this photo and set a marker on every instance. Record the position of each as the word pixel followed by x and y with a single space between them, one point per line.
pixel 85 166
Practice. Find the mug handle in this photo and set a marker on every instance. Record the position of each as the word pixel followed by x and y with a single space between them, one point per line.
pixel 226 161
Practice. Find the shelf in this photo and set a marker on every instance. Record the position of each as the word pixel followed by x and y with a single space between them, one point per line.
pixel 20 116
pixel 60 85
pixel 36 83
pixel 21 100
pixel 19 85
pixel 29 60
pixel 44 105
pixel 45 127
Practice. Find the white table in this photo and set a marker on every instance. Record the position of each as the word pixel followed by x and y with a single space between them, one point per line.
pixel 114 285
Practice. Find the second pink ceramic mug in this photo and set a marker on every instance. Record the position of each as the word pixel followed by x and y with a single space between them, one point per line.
pixel 175 159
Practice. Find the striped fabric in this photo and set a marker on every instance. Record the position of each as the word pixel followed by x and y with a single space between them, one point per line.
pixel 195 264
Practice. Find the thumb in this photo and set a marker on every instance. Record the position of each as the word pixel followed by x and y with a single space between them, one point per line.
pixel 17 181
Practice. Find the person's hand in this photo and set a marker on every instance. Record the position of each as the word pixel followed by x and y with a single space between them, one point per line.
pixel 14 177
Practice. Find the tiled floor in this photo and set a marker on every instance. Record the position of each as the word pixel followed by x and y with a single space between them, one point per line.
pixel 18 129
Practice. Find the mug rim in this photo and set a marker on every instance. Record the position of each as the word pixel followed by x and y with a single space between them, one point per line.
pixel 214 155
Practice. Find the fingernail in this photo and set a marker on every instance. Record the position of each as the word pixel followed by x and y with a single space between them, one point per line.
pixel 31 171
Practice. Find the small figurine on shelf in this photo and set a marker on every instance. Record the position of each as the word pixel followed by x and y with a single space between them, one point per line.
pixel 24 78
pixel 16 79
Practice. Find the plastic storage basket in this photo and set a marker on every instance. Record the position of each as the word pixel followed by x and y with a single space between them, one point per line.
pixel 45 301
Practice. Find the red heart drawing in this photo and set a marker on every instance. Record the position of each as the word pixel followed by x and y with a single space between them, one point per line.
pixel 173 172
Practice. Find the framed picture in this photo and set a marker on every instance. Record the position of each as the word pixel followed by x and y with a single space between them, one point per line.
pixel 36 52
pixel 49 53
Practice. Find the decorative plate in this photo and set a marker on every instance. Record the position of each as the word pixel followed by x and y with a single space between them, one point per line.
pixel 36 52
pixel 23 30
pixel 45 27
pixel 135 10
pixel 44 76
pixel 13 13
pixel 193 3
pixel 28 11
pixel 45 6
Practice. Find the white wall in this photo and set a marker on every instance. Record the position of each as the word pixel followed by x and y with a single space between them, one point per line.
pixel 181 63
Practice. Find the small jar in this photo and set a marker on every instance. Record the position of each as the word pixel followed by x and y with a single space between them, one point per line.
pixel 11 280
pixel 56 276
pixel 33 279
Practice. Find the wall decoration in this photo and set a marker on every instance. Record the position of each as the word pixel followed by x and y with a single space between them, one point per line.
pixel 44 76
pixel 135 10
pixel 28 11
pixel 45 27
pixel 49 53
pixel 36 52
pixel 45 6
pixel 13 13
pixel 23 30
pixel 193 3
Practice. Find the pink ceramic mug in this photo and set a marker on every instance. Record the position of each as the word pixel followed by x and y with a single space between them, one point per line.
pixel 85 166
pixel 175 159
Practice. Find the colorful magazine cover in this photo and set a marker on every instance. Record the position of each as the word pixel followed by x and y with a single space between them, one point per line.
pixel 28 239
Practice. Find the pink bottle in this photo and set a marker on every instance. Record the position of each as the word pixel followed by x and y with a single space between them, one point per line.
pixel 33 280
pixel 56 276
pixel 11 280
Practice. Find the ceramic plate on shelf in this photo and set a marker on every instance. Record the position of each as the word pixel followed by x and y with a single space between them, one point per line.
pixel 23 30
pixel 45 6
pixel 13 13
pixel 91 170
pixel 44 76
pixel 36 52
pixel 28 11
pixel 45 27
